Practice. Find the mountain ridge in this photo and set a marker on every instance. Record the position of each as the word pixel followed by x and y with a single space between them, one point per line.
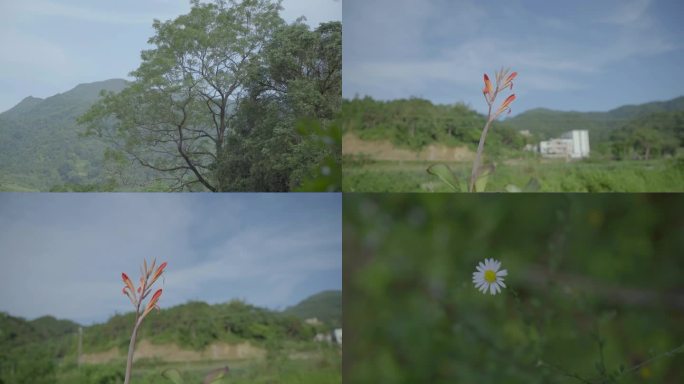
pixel 548 123
pixel 40 143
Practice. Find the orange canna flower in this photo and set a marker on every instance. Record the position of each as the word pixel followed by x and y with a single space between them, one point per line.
pixel 153 302
pixel 506 103
pixel 509 80
pixel 128 282
pixel 488 85
pixel 154 299
pixel 160 270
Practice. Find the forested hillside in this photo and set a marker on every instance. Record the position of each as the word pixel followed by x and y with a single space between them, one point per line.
pixel 40 142
pixel 634 131
pixel 31 349
pixel 231 98
pixel 546 123
pixel 414 123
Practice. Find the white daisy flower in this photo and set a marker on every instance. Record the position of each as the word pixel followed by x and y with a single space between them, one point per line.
pixel 488 276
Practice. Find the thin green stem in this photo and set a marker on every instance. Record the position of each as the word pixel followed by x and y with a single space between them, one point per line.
pixel 131 344
pixel 480 149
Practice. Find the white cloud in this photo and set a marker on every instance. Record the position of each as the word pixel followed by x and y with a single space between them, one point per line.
pixel 629 13
pixel 452 46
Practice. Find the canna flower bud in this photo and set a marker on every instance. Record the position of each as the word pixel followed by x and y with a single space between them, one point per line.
pixel 506 103
pixel 127 281
pixel 487 90
pixel 509 80
pixel 160 270
pixel 153 302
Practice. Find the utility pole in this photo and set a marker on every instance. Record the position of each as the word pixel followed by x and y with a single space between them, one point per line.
pixel 80 345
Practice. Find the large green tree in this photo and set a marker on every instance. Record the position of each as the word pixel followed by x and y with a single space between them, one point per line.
pixel 286 132
pixel 176 116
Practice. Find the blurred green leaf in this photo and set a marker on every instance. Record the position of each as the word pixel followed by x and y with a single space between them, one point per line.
pixel 483 177
pixel 173 375
pixel 446 175
pixel 533 185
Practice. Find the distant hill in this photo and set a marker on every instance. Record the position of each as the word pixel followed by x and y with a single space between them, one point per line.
pixel 48 326
pixel 191 325
pixel 40 145
pixel 546 123
pixel 326 306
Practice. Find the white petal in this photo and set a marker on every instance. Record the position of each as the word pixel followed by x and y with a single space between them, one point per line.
pixel 502 272
pixel 495 265
pixel 491 288
pixel 501 283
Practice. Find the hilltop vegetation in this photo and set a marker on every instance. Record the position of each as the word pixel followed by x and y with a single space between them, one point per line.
pixel 415 123
pixel 636 131
pixel 30 350
pixel 40 146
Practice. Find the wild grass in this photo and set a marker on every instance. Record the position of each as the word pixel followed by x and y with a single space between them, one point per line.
pixel 662 175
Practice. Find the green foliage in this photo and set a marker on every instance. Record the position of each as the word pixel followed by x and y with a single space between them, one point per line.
pixel 649 136
pixel 415 123
pixel 581 299
pixel 287 138
pixel 40 144
pixel 618 127
pixel 447 176
pixel 215 104
pixel 44 350
pixel 663 175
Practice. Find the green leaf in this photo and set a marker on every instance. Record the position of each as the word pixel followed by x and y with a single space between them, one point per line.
pixel 173 375
pixel 512 188
pixel 533 185
pixel 483 177
pixel 443 172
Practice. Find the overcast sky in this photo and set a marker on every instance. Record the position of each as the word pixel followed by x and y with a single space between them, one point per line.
pixel 50 46
pixel 63 254
pixel 570 55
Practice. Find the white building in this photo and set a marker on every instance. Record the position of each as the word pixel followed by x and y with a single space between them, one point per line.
pixel 334 336
pixel 571 145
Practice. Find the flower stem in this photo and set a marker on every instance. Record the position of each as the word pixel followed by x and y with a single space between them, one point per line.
pixel 131 344
pixel 480 149
pixel 131 349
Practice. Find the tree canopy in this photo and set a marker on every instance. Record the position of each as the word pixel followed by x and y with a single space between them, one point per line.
pixel 222 89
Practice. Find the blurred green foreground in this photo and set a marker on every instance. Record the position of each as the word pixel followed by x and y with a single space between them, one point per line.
pixel 595 289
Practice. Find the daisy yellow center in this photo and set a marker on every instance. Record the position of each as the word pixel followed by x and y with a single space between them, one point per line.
pixel 490 276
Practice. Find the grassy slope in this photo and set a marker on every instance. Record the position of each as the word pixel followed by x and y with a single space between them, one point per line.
pixel 625 176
